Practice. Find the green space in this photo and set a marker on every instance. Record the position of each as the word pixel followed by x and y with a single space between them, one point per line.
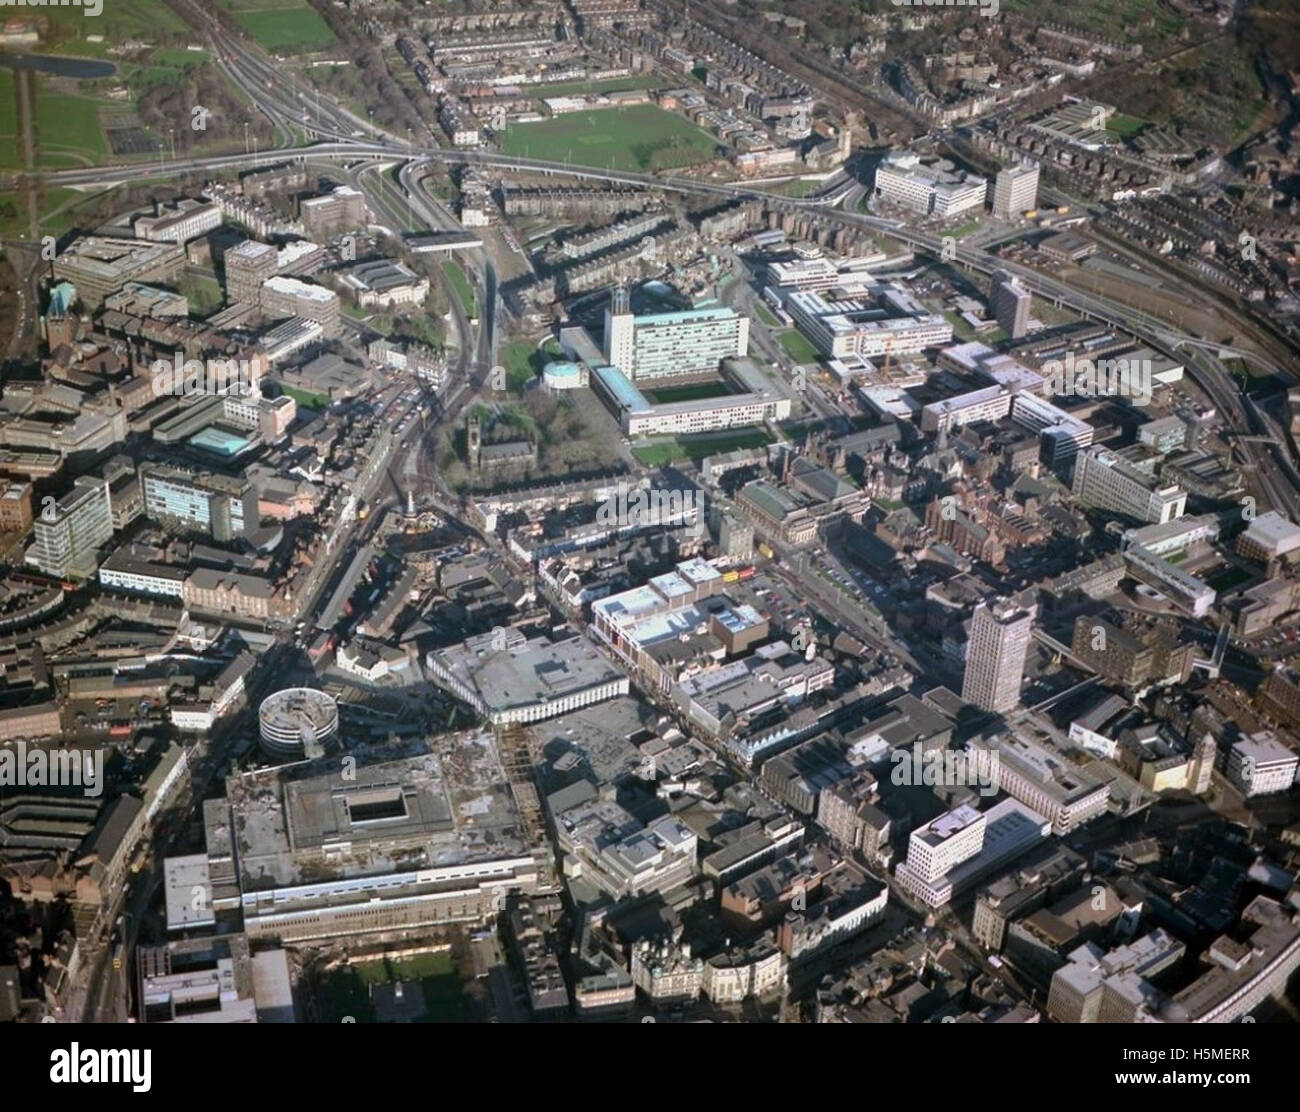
pixel 1228 578
pixel 798 187
pixel 524 361
pixel 347 989
pixel 664 452
pixel 690 392
pixel 604 85
pixel 423 328
pixel 289 25
pixel 307 399
pixel 640 137
pixel 165 66
pixel 766 315
pixel 10 151
pixel 70 32
pixel 1117 20
pixel 1124 126
pixel 68 124
pixel 66 133
pixel 456 276
pixel 961 329
pixel 57 211
pixel 797 347
pixel 204 293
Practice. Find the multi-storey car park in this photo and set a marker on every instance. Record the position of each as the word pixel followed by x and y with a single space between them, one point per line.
pixel 297 722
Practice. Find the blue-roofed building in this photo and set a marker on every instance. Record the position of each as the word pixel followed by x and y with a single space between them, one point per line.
pixel 618 388
pixel 63 296
pixel 563 375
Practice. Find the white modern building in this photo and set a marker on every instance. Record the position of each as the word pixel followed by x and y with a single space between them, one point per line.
pixel 637 416
pixel 989 403
pixel 957 850
pixel 1063 436
pixel 660 345
pixel 1065 795
pixel 1193 594
pixel 508 678
pixel 855 326
pixel 121 572
pixel 928 186
pixel 1261 764
pixel 68 531
pixel 185 221
pixel 1174 536
pixel 1105 480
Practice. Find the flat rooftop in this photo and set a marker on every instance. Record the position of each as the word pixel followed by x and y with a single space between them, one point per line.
pixel 526 673
pixel 436 803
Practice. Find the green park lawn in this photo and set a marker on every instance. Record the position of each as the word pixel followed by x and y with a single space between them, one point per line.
pixel 797 347
pixel 639 138
pixel 292 26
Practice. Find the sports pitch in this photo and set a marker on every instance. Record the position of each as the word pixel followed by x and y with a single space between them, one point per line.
pixel 640 137
pixel 289 25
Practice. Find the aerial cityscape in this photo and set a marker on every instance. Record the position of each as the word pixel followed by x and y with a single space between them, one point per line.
pixel 628 511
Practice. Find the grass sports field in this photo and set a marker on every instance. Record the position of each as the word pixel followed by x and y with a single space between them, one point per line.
pixel 690 392
pixel 697 447
pixel 292 26
pixel 640 138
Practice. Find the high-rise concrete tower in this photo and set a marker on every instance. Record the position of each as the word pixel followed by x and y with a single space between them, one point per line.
pixel 995 654
pixel 1010 300
pixel 620 332
pixel 1015 190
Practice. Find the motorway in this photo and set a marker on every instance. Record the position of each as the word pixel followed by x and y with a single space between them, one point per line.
pixel 365 150
pixel 344 137
pixel 1203 367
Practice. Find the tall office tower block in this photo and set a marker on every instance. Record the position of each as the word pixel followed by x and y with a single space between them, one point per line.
pixel 995 655
pixel 67 532
pixel 1015 190
pixel 1010 302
